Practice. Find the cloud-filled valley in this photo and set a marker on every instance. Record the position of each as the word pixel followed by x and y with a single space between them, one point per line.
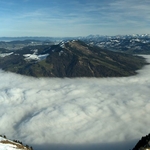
pixel 49 113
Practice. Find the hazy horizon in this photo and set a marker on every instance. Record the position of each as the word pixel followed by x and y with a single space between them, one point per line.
pixel 65 18
pixel 70 36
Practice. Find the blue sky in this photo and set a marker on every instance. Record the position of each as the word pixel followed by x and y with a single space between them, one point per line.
pixel 74 17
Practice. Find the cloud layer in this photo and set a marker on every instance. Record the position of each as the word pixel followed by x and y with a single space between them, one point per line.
pixel 55 112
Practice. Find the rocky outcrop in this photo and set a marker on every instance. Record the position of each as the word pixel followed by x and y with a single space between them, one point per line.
pixel 143 144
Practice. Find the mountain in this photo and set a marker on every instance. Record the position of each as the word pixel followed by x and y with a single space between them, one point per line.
pixel 19 44
pixel 143 144
pixel 6 144
pixel 133 44
pixel 69 59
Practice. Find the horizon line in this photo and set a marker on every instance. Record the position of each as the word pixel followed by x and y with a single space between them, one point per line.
pixel 71 36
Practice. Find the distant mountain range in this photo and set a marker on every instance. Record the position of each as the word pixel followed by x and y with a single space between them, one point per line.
pixel 69 59
pixel 132 44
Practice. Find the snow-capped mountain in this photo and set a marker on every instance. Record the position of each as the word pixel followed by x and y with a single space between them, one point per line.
pixel 127 43
pixel 135 43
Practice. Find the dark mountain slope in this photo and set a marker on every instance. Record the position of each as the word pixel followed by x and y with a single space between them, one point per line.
pixel 143 144
pixel 71 59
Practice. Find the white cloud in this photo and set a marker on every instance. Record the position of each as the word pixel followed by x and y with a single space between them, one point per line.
pixel 82 113
pixel 131 8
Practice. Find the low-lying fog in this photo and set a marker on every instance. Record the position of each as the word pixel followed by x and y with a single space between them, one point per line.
pixel 72 114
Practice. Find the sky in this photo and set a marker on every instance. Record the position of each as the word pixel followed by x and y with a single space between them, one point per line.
pixel 77 113
pixel 70 18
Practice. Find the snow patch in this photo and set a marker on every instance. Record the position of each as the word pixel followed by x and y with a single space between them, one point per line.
pixel 35 57
pixel 42 57
pixel 62 45
pixel 30 57
pixel 4 146
pixel 61 52
pixel 5 54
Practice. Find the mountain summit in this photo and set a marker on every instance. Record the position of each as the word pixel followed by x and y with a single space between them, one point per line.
pixel 69 59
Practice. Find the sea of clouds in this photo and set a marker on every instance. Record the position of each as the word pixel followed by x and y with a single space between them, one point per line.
pixel 79 113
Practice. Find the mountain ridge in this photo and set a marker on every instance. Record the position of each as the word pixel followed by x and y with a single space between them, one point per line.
pixel 69 59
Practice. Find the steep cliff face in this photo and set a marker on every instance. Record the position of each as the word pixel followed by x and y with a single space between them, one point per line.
pixel 70 59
